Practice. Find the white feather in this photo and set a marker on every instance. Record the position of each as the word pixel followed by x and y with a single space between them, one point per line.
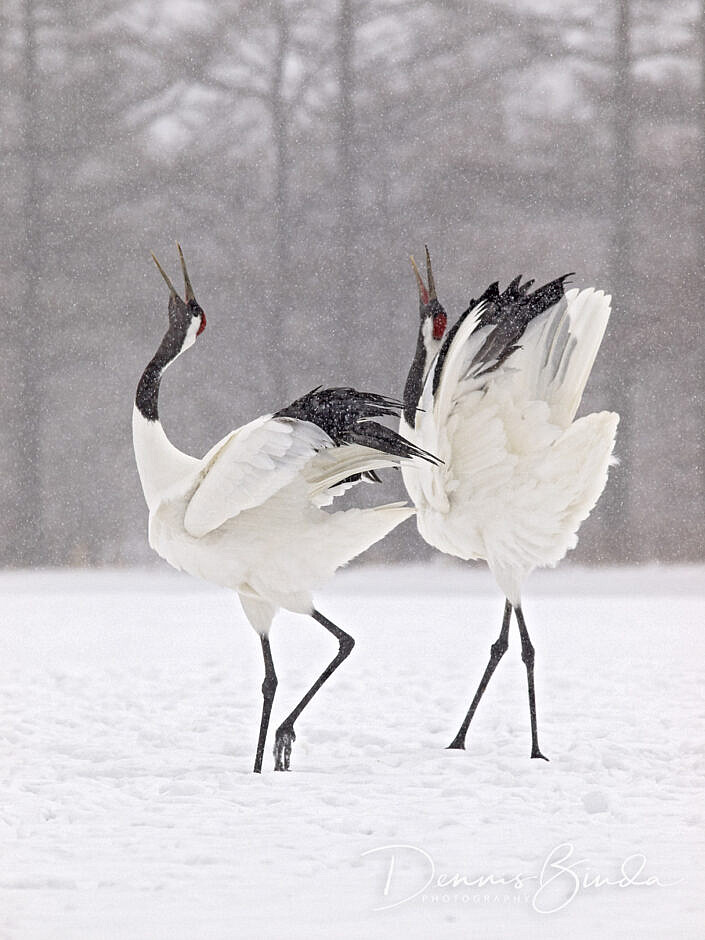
pixel 329 468
pixel 248 467
pixel 248 515
pixel 517 477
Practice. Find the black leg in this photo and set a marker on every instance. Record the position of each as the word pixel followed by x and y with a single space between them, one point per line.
pixel 285 732
pixel 269 687
pixel 497 651
pixel 527 655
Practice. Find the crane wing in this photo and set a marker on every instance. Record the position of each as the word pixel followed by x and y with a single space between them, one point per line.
pixel 487 338
pixel 493 402
pixel 335 470
pixel 558 350
pixel 248 467
pixel 461 420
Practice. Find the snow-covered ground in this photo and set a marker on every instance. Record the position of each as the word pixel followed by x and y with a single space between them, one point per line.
pixel 129 709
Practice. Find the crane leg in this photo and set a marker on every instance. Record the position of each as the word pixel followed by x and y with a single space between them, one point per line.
pixel 527 655
pixel 269 687
pixel 497 651
pixel 285 736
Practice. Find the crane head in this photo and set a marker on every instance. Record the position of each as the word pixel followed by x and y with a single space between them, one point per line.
pixel 430 309
pixel 185 315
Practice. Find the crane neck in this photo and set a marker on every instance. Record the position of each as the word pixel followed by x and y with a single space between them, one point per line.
pixel 147 397
pixel 426 350
pixel 161 466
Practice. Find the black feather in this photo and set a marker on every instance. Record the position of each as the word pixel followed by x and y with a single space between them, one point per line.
pixel 510 313
pixel 368 475
pixel 346 416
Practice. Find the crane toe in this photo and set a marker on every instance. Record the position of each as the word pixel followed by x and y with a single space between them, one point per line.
pixel 535 752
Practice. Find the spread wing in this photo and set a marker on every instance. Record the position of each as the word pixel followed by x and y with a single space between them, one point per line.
pixel 248 467
pixel 558 350
pixel 460 419
pixel 494 406
pixel 253 463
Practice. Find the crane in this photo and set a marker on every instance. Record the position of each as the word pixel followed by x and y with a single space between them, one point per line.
pixel 251 515
pixel 494 398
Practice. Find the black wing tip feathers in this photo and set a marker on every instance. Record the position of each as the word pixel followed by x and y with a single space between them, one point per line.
pixel 346 415
pixel 320 397
pixel 510 312
pixel 515 301
pixel 378 436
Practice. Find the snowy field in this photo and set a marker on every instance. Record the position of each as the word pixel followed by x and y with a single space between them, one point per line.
pixel 129 713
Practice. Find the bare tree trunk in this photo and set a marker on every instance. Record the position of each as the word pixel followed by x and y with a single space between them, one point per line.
pixel 620 535
pixel 282 233
pixel 701 187
pixel 623 153
pixel 700 235
pixel 27 534
pixel 346 263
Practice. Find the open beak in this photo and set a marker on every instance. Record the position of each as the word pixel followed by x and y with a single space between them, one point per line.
pixel 426 294
pixel 428 299
pixel 188 289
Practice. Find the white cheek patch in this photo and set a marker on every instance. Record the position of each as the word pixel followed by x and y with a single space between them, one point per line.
pixel 431 345
pixel 190 337
pixel 191 333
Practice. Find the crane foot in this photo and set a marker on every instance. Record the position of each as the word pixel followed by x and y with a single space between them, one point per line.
pixel 285 737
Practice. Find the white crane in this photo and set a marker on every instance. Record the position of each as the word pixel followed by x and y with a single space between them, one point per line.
pixel 495 399
pixel 249 515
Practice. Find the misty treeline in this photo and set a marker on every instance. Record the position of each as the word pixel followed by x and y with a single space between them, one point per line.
pixel 299 151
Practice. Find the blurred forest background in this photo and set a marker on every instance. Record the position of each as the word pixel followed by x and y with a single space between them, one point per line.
pixel 300 150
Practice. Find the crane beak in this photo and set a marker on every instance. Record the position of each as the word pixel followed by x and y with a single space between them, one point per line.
pixel 426 294
pixel 188 289
pixel 429 275
pixel 172 289
pixel 191 304
pixel 423 293
pixel 189 294
pixel 428 301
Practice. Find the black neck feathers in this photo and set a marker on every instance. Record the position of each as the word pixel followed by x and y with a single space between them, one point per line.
pixel 147 396
pixel 414 382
